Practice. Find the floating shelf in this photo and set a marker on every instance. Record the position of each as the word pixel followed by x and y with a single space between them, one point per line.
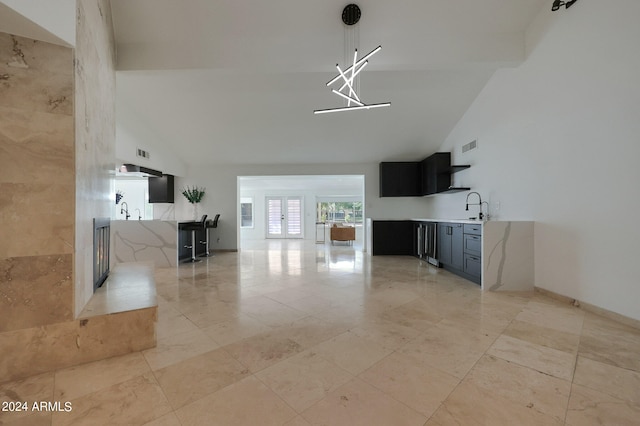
pixel 456 189
pixel 455 169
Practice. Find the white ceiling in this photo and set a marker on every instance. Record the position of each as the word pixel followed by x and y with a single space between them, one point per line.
pixel 236 82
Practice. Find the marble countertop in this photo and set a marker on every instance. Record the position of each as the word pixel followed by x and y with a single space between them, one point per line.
pixel 474 221
pixel 435 220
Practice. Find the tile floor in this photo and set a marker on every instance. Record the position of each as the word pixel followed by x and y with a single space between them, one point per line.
pixel 299 334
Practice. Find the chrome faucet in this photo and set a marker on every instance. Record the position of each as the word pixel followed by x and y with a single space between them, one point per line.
pixel 124 210
pixel 481 215
pixel 139 214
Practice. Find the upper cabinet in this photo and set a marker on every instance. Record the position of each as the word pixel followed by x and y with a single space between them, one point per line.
pixel 427 177
pixel 400 179
pixel 161 189
pixel 436 174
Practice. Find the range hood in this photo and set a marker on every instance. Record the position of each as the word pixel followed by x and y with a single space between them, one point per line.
pixel 141 171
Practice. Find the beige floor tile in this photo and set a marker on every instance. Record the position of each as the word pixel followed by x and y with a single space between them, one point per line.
pixel 167 420
pixel 388 334
pixel 136 401
pixel 297 421
pixel 74 382
pixel 590 407
pixel 172 325
pixel 247 402
pixel 615 381
pixel 269 311
pixel 30 390
pixel 25 419
pixel 422 388
pixel 233 330
pixel 358 403
pixel 546 360
pixel 303 379
pixel 254 336
pixel 553 315
pixel 470 405
pixel 176 348
pixel 352 351
pixel 199 376
pixel 309 331
pixel 412 315
pixel 263 350
pixel 449 348
pixel 544 336
pixel 610 342
pixel 522 386
pixel 209 314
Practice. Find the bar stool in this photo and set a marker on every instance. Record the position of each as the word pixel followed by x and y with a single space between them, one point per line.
pixel 209 225
pixel 193 227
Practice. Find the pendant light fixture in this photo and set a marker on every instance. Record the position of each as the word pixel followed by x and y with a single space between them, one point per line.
pixel 349 78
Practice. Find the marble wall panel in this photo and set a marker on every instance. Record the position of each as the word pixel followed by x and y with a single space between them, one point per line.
pixel 75 342
pixel 95 134
pixel 508 256
pixel 35 290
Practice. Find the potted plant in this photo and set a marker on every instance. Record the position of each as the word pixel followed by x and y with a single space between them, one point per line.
pixel 194 195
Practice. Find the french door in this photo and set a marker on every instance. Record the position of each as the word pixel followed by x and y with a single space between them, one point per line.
pixel 284 217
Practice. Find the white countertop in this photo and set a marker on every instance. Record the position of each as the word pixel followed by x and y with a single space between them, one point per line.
pixel 476 222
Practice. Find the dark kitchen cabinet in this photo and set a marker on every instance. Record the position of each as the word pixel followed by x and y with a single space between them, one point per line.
pixel 436 171
pixel 400 179
pixel 451 245
pixel 393 237
pixel 472 252
pixel 161 189
pixel 436 176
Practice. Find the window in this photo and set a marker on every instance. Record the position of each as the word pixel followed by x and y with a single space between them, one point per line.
pixel 246 213
pixel 347 212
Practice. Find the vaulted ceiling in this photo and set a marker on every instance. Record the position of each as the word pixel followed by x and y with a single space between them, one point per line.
pixel 236 82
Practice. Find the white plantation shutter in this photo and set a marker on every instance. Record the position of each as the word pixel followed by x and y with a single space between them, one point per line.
pixel 294 217
pixel 274 216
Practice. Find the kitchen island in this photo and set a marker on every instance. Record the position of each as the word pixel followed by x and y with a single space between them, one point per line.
pixel 145 240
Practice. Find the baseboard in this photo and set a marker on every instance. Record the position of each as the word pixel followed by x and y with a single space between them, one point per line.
pixel 631 322
pixel 225 250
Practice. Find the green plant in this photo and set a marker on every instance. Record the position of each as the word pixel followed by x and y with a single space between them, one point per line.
pixel 193 195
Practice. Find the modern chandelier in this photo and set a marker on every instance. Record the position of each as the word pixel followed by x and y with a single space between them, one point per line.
pixel 348 89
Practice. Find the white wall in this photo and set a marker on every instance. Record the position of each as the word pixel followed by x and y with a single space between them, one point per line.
pixel 221 193
pixel 133 133
pixel 558 143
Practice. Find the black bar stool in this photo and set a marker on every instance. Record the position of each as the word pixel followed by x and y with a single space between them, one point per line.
pixel 193 227
pixel 210 224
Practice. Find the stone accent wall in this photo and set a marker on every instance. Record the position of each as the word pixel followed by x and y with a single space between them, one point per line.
pixel 37 183
pixel 57 153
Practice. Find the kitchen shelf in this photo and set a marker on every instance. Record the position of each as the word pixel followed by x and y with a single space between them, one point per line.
pixel 456 189
pixel 455 169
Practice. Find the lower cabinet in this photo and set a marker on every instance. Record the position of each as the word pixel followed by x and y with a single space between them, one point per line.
pixel 393 237
pixel 450 245
pixel 460 249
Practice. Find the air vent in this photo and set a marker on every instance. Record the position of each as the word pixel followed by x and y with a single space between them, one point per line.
pixel 142 153
pixel 469 146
